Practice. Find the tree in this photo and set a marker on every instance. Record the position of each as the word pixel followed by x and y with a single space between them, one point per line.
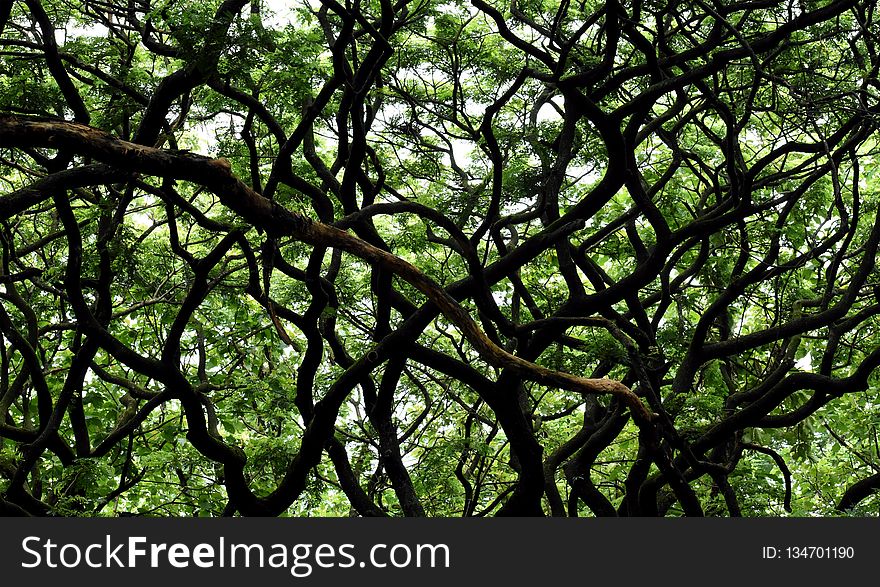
pixel 424 258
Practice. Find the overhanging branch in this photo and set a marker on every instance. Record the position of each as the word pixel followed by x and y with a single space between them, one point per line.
pixel 216 176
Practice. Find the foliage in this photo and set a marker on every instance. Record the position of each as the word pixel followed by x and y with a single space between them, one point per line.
pixel 430 258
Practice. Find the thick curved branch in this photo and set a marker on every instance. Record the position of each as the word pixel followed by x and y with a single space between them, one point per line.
pixel 215 175
pixel 858 492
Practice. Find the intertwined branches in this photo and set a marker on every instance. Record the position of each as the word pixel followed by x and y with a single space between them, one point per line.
pixel 423 258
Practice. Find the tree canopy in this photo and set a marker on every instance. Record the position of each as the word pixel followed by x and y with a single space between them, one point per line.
pixel 416 257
